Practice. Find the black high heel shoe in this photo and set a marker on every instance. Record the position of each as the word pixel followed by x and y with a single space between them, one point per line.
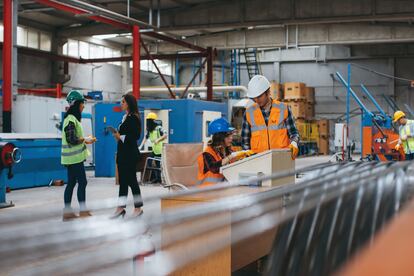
pixel 139 214
pixel 119 214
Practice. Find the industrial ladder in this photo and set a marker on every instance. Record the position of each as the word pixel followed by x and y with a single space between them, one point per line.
pixel 252 62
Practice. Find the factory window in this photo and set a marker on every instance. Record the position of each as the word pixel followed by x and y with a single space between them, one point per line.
pixel 27 37
pixel 116 53
pixel 65 49
pixel 96 51
pixel 45 42
pixel 21 36
pixel 164 66
pixel 32 39
pixel 83 49
pixel 88 50
pixel 73 48
pixel 107 52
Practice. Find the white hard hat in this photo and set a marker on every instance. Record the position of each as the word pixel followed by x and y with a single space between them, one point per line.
pixel 257 86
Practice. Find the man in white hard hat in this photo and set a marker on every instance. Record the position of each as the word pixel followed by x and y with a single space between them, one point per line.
pixel 268 124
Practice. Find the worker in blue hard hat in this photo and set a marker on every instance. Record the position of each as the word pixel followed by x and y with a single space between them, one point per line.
pixel 218 153
pixel 406 131
pixel 74 153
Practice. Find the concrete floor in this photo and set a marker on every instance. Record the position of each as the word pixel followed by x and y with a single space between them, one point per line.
pixel 35 200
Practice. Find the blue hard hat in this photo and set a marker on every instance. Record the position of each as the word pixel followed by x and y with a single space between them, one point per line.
pixel 219 125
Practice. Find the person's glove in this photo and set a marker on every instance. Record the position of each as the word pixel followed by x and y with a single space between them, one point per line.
pixel 240 154
pixel 397 147
pixel 90 139
pixel 295 150
pixel 404 137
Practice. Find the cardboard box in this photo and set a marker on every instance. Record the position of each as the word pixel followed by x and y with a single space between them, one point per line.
pixel 323 128
pixel 276 91
pixel 310 95
pixel 303 128
pixel 310 111
pixel 299 109
pixel 323 145
pixel 295 91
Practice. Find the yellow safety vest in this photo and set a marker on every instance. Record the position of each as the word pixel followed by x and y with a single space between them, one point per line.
pixel 408 129
pixel 73 154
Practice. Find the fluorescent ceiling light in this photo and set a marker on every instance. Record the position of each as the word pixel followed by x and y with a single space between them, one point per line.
pixel 105 36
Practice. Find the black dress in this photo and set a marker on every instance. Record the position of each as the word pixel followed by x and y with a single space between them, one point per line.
pixel 127 157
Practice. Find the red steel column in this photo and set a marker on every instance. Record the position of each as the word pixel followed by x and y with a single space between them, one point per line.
pixel 209 81
pixel 136 61
pixel 59 90
pixel 7 63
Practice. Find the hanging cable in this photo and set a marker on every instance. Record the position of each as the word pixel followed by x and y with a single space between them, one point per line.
pixel 380 73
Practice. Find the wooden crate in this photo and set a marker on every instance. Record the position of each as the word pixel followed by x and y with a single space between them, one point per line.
pixel 314 132
pixel 276 91
pixel 298 109
pixel 303 128
pixel 295 91
pixel 323 128
pixel 323 145
pixel 310 111
pixel 310 95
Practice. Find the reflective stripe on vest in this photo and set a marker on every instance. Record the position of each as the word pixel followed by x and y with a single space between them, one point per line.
pixel 408 129
pixel 73 154
pixel 274 134
pixel 208 178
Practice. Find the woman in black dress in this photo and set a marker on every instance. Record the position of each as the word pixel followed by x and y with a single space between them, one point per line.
pixel 127 155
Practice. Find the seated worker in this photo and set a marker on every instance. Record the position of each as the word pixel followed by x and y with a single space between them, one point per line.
pixel 218 153
pixel 157 136
pixel 268 124
pixel 406 131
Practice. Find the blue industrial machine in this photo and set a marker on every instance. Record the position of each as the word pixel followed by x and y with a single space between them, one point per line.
pixel 41 160
pixel 9 155
pixel 378 138
pixel 185 126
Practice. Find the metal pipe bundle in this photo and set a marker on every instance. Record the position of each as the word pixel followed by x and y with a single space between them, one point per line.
pixel 320 223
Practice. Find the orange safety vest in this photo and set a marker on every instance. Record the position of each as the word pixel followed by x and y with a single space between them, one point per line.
pixel 208 178
pixel 272 136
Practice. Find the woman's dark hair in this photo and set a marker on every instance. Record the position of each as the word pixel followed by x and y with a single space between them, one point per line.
pixel 151 125
pixel 217 143
pixel 75 111
pixel 133 108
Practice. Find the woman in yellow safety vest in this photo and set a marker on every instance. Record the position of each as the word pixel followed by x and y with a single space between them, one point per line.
pixel 218 153
pixel 74 153
pixel 157 136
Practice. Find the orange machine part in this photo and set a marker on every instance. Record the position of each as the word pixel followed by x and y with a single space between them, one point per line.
pixel 367 141
pixel 388 148
pixel 391 252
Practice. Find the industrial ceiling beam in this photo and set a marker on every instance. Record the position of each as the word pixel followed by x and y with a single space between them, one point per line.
pixel 112 18
pixel 74 10
pixel 56 57
pixel 105 13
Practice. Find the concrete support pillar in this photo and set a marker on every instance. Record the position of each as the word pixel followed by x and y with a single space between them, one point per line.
pixel 277 72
